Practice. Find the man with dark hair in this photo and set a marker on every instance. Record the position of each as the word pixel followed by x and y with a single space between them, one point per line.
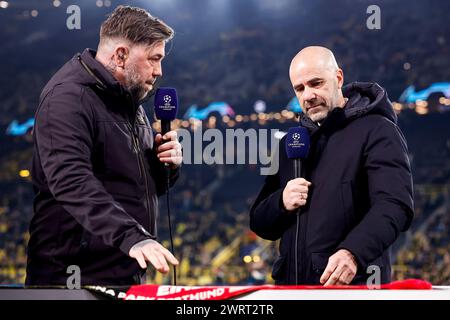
pixel 355 195
pixel 97 169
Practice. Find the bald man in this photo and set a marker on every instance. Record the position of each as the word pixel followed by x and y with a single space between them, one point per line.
pixel 356 194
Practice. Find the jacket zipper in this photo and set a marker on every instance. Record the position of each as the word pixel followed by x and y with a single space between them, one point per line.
pixel 141 166
pixel 137 151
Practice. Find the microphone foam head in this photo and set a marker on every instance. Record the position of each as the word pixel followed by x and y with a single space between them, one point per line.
pixel 166 103
pixel 297 143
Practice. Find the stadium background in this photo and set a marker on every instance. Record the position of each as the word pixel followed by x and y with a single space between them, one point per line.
pixel 237 53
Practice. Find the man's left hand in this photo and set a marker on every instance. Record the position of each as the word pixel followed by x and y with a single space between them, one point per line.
pixel 340 270
pixel 170 151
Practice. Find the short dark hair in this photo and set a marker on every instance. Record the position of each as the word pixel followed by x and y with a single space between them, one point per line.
pixel 135 25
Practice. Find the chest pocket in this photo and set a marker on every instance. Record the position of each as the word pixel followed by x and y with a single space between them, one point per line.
pixel 119 161
pixel 144 131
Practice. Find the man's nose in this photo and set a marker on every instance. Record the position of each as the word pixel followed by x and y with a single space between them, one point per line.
pixel 308 94
pixel 157 71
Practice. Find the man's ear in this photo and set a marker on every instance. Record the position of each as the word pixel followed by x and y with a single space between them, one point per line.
pixel 340 77
pixel 121 54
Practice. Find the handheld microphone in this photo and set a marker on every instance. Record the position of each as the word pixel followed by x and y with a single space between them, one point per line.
pixel 166 107
pixel 297 147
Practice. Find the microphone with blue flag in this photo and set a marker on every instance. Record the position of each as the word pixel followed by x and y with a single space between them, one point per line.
pixel 166 107
pixel 297 147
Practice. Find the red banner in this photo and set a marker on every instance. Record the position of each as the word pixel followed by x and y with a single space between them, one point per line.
pixel 162 292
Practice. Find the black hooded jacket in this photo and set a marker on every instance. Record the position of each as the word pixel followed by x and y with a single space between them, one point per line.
pixel 96 178
pixel 361 195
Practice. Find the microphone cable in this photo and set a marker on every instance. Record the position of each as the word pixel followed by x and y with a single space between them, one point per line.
pixel 297 174
pixel 296 247
pixel 167 171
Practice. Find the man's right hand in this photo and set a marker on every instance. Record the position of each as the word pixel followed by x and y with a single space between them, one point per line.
pixel 155 253
pixel 295 193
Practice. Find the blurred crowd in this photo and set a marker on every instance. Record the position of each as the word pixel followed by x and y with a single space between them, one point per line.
pixel 210 207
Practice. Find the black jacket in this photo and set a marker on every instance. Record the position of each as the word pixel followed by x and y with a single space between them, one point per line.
pixel 96 178
pixel 361 195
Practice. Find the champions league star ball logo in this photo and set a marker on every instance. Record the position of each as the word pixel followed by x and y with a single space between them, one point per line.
pixel 166 103
pixel 294 140
pixel 167 99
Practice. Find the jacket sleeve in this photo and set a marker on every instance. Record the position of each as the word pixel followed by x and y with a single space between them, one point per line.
pixel 390 192
pixel 64 131
pixel 268 217
pixel 158 173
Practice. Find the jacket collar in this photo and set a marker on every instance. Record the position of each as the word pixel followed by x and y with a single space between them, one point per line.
pixel 335 120
pixel 103 79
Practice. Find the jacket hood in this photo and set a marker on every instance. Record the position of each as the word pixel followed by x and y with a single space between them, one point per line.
pixel 97 73
pixel 367 98
pixel 85 70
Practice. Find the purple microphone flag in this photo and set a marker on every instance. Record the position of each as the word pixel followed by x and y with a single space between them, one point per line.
pixel 297 143
pixel 166 103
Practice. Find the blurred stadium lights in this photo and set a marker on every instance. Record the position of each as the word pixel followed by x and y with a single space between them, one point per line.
pixel 279 135
pixel 410 95
pixel 16 129
pixel 24 173
pixel 294 105
pixel 194 120
pixel 421 110
pixel 260 106
pixel 256 258
pixel 421 104
pixel 444 101
pixel 4 4
pixel 56 3
pixel 397 107
pixel 212 122
pixel 103 3
pixel 222 108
